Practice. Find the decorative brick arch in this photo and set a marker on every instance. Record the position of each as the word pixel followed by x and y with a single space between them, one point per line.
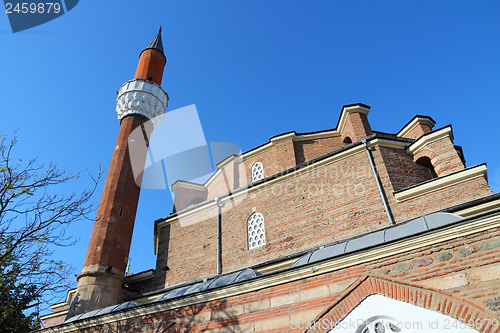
pixel 426 152
pixel 434 160
pixel 450 305
pixel 345 135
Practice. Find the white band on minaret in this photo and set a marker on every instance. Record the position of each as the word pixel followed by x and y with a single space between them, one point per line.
pixel 144 97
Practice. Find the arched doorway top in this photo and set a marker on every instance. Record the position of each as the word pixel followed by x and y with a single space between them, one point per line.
pixel 433 304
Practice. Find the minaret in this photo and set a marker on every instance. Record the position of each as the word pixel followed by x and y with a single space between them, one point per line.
pixel 139 100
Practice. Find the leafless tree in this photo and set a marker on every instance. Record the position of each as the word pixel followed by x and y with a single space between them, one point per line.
pixel 33 221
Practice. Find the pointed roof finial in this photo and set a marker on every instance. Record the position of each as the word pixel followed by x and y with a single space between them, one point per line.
pixel 156 42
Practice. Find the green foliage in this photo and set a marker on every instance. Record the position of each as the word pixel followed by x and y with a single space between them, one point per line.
pixel 16 298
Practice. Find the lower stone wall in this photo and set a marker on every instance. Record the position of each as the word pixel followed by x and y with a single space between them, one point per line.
pixel 462 276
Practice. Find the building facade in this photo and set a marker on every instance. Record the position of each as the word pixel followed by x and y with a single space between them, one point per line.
pixel 340 230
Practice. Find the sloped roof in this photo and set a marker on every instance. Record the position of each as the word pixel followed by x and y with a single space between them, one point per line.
pixel 379 237
pixel 209 284
pixel 174 293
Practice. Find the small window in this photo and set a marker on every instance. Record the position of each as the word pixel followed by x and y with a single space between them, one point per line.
pixel 256 232
pixel 426 162
pixel 257 171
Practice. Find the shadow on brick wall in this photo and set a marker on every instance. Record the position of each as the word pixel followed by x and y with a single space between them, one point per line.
pixel 214 315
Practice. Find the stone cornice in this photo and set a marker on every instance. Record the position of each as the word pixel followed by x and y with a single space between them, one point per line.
pixel 220 166
pixel 478 208
pixel 429 138
pixel 139 276
pixel 189 185
pixel 319 135
pixel 439 183
pixel 414 122
pixel 346 110
pixel 54 315
pixel 284 137
pixel 66 302
pixel 387 143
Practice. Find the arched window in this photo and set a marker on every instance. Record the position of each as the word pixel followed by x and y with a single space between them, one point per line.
pixel 257 171
pixel 256 232
pixel 347 140
pixel 426 162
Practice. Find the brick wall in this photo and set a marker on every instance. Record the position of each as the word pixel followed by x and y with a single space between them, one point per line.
pixel 228 178
pixel 356 127
pixel 310 149
pixel 417 131
pixel 398 169
pixel 328 203
pixel 443 155
pixel 188 248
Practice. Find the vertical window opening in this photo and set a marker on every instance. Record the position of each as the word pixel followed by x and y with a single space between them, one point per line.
pixel 426 162
pixel 256 231
pixel 257 171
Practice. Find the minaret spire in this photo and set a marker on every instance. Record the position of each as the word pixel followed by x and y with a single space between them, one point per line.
pixel 152 61
pixel 156 43
pixel 139 100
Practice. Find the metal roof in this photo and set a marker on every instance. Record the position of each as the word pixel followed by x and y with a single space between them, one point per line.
pixel 177 292
pixel 112 308
pixel 209 284
pixel 393 233
pixel 156 43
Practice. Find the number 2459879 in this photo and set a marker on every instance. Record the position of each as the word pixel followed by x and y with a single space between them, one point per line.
pixel 33 7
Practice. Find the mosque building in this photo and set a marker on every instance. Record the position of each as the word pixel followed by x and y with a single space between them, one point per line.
pixel 346 229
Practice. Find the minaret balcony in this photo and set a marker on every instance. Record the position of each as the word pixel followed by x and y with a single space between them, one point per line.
pixel 144 97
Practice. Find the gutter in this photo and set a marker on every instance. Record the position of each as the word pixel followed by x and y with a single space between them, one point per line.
pixel 379 183
pixel 219 233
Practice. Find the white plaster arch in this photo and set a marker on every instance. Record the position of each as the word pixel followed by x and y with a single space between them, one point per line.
pixel 381 314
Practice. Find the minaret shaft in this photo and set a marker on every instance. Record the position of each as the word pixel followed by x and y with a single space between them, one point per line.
pixel 112 233
pixel 139 100
pixel 151 64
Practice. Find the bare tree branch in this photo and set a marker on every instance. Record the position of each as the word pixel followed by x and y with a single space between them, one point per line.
pixel 34 219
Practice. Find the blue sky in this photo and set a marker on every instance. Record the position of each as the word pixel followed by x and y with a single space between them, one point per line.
pixel 253 69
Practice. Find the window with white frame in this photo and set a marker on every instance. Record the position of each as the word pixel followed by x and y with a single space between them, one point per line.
pixel 257 171
pixel 256 232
